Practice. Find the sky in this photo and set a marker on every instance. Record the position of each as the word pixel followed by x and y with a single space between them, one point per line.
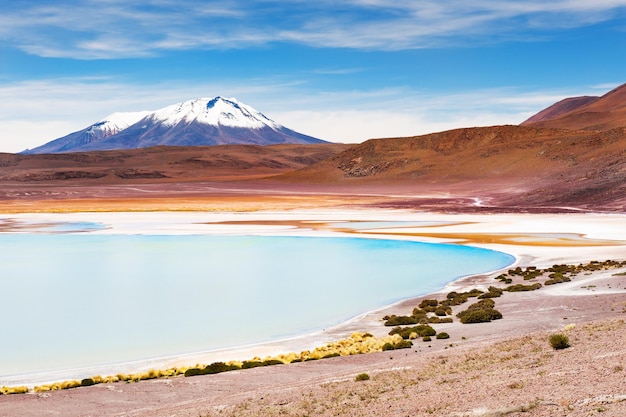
pixel 343 71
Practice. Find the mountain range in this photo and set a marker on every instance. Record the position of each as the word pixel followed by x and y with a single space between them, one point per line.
pixel 570 156
pixel 200 122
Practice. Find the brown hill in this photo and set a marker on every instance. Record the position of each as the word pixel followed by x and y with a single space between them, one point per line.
pixel 509 165
pixel 585 113
pixel 164 164
pixel 559 109
pixel 489 168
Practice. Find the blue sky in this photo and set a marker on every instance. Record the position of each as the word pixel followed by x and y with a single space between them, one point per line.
pixel 343 71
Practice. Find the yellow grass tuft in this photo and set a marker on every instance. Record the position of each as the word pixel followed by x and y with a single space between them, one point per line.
pixel 356 344
pixel 13 390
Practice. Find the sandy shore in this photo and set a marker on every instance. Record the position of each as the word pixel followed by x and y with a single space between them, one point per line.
pixel 534 239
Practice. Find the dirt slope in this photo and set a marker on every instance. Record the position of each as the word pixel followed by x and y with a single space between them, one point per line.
pixel 603 113
pixel 519 165
pixel 164 163
pixel 559 109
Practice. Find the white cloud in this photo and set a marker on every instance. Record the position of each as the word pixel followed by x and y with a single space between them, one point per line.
pixel 354 126
pixel 86 29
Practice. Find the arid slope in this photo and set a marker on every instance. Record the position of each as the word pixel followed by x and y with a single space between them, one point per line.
pixel 165 164
pixel 516 165
pixel 603 113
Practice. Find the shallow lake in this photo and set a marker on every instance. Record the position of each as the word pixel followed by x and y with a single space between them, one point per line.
pixel 74 300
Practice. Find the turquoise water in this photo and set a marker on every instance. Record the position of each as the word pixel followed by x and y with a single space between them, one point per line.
pixel 73 300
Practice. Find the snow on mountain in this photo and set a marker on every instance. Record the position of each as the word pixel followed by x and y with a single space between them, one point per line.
pixel 215 112
pixel 115 123
pixel 200 122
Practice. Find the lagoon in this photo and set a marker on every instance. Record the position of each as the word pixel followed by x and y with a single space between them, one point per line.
pixel 78 300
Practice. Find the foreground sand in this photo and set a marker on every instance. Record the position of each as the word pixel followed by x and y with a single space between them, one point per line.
pixel 503 365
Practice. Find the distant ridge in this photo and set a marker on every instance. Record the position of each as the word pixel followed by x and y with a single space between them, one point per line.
pixel 523 165
pixel 584 113
pixel 200 122
pixel 560 108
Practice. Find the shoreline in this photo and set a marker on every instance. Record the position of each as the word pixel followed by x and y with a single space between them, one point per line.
pixel 525 254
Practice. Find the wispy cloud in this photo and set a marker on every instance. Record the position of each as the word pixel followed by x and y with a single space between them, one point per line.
pixel 90 29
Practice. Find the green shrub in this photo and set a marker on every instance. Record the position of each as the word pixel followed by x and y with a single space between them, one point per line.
pixel 193 372
pixel 522 287
pixel 418 312
pixel 475 316
pixel 87 382
pixel 455 298
pixel 442 311
pixel 214 368
pixel 403 344
pixel 559 341
pixel 421 330
pixel 271 362
pixel 436 320
pixel 362 377
pixel 443 335
pixel 331 355
pixel 493 292
pixel 475 292
pixel 388 346
pixel 251 364
pixel 426 339
pixel 429 305
pixel 480 312
pixel 400 320
pixel 218 367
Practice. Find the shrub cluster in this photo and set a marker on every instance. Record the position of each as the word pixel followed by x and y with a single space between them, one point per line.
pixel 480 312
pixel 420 315
pixel 401 344
pixel 493 292
pixel 416 331
pixel 559 341
pixel 529 273
pixel 457 298
pixel 522 287
pixel 557 278
pixel 558 273
pixel 214 368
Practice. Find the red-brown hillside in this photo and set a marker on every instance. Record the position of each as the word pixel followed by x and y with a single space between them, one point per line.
pixel 588 113
pixel 559 109
pixel 164 163
pixel 515 165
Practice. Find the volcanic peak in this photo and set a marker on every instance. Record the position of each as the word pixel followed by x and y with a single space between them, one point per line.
pixel 114 123
pixel 217 111
pixel 199 122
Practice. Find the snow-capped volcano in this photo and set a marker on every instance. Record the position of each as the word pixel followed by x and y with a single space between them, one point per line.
pixel 215 112
pixel 114 123
pixel 216 121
